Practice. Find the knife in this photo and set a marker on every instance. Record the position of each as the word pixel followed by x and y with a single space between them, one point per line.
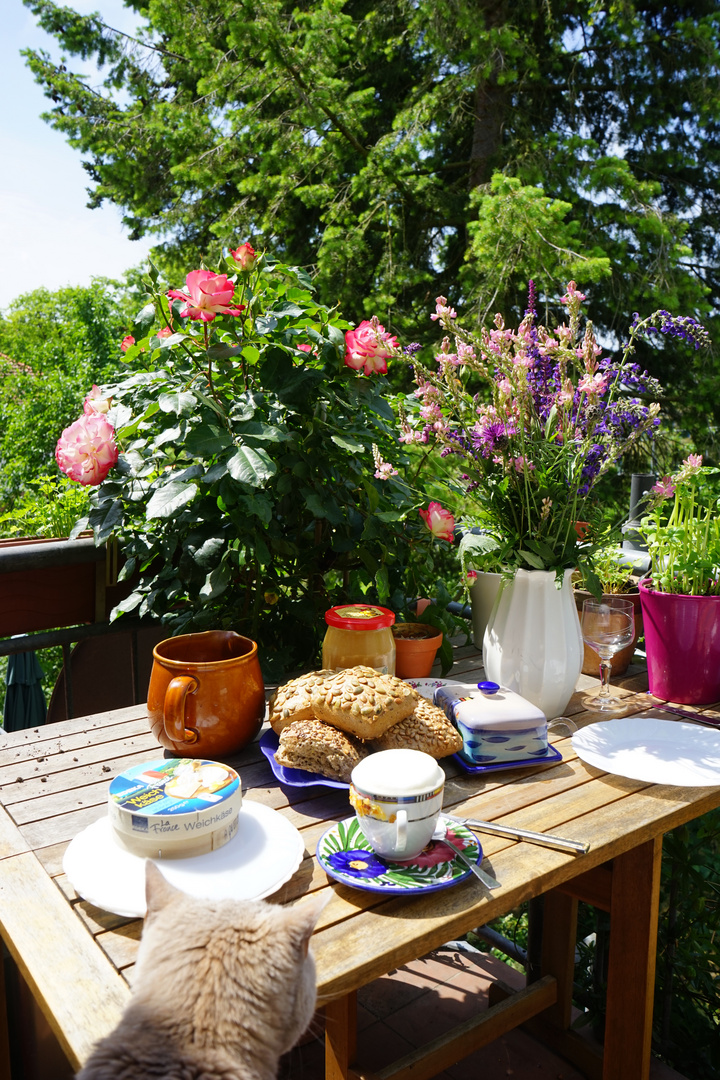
pixel 698 718
pixel 545 839
pixel 488 881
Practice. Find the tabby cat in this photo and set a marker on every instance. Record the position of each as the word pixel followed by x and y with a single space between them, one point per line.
pixel 222 989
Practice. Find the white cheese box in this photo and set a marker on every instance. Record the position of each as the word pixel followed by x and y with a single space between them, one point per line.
pixel 496 725
pixel 174 807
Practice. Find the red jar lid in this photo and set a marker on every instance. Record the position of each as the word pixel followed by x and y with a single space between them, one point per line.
pixel 359 617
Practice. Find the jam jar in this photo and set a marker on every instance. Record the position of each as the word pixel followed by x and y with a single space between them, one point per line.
pixel 359 634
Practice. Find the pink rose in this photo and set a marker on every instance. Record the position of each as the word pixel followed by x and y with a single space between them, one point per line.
pixel 165 332
pixel 87 450
pixel 95 403
pixel 304 348
pixel 244 256
pixel 209 295
pixel 127 342
pixel 368 347
pixel 440 522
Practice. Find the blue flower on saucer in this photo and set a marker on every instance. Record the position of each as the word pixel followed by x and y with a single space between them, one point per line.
pixel 356 863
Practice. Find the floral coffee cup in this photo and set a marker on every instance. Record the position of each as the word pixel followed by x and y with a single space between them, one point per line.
pixel 397 796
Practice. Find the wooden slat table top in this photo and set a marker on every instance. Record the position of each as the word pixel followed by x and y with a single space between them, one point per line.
pixel 79 960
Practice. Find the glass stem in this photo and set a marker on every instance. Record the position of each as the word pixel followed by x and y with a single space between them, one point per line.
pixel 605 672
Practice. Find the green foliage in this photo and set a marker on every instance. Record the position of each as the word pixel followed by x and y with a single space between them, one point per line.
pixel 686 1020
pixel 53 347
pixel 683 535
pixel 687 996
pixel 49 506
pixel 244 494
pixel 411 149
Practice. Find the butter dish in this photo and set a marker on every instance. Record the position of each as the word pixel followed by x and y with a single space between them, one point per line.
pixel 497 725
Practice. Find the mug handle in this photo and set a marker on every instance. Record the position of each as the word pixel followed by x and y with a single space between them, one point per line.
pixel 174 709
pixel 401 831
pixel 563 722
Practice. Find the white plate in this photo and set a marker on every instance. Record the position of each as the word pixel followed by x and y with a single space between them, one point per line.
pixel 264 854
pixel 647 748
pixel 427 687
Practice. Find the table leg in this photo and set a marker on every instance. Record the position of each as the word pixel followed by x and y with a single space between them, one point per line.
pixel 5 1072
pixel 340 1036
pixel 631 965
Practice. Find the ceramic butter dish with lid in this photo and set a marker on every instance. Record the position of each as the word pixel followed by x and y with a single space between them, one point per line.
pixel 496 724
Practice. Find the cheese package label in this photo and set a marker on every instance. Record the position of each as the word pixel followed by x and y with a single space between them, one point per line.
pixel 179 805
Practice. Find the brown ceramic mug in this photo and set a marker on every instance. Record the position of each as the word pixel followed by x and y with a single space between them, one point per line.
pixel 206 696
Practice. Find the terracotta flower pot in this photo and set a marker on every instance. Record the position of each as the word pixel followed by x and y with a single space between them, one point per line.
pixel 621 660
pixel 416 645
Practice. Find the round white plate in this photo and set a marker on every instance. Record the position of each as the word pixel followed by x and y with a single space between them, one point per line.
pixel 264 854
pixel 647 748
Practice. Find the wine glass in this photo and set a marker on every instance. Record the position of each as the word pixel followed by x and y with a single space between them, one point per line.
pixel 608 625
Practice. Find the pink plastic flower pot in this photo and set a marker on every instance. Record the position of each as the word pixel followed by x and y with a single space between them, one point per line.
pixel 682 643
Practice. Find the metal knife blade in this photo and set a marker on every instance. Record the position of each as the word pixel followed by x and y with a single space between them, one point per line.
pixel 577 847
pixel 697 718
pixel 488 881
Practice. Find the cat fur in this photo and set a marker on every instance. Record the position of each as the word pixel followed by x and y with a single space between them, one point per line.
pixel 222 989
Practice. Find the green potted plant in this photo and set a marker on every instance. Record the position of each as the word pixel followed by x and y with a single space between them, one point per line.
pixel 618 574
pixel 681 597
pixel 235 470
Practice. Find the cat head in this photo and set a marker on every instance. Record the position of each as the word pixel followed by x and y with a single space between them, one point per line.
pixel 235 973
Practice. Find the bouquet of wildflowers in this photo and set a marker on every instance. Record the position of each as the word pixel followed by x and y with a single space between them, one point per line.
pixel 682 531
pixel 534 418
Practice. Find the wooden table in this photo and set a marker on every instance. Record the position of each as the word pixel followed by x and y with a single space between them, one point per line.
pixel 78 960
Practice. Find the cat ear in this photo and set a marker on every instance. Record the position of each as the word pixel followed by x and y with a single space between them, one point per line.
pixel 158 890
pixel 304 915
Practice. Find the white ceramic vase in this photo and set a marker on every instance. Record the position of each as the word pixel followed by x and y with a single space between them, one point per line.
pixel 533 642
pixel 482 599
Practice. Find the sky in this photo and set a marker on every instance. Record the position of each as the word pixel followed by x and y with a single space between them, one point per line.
pixel 48 237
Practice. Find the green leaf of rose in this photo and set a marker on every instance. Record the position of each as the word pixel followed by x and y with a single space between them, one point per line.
pixel 217 582
pixel 345 442
pixel 207 439
pixel 167 500
pixel 251 466
pixel 324 508
pixel 288 308
pixel 207 553
pixel 223 352
pixel 265 324
pixel 267 432
pixel 181 403
pixel 144 320
pixel 259 506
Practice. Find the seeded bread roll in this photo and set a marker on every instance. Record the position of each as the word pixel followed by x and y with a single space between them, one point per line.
pixel 319 748
pixel 292 701
pixel 427 729
pixel 362 702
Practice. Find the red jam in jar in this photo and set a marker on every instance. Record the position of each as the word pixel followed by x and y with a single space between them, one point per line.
pixel 359 634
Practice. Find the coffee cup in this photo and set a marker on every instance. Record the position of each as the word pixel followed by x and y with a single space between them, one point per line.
pixel 397 796
pixel 206 696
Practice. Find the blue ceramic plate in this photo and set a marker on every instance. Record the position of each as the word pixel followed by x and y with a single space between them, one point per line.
pixel 268 743
pixel 345 855
pixel 552 755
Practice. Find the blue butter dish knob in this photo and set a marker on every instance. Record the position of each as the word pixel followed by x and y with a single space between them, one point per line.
pixel 488 687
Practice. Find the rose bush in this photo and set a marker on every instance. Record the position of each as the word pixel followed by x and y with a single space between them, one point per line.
pixel 243 495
